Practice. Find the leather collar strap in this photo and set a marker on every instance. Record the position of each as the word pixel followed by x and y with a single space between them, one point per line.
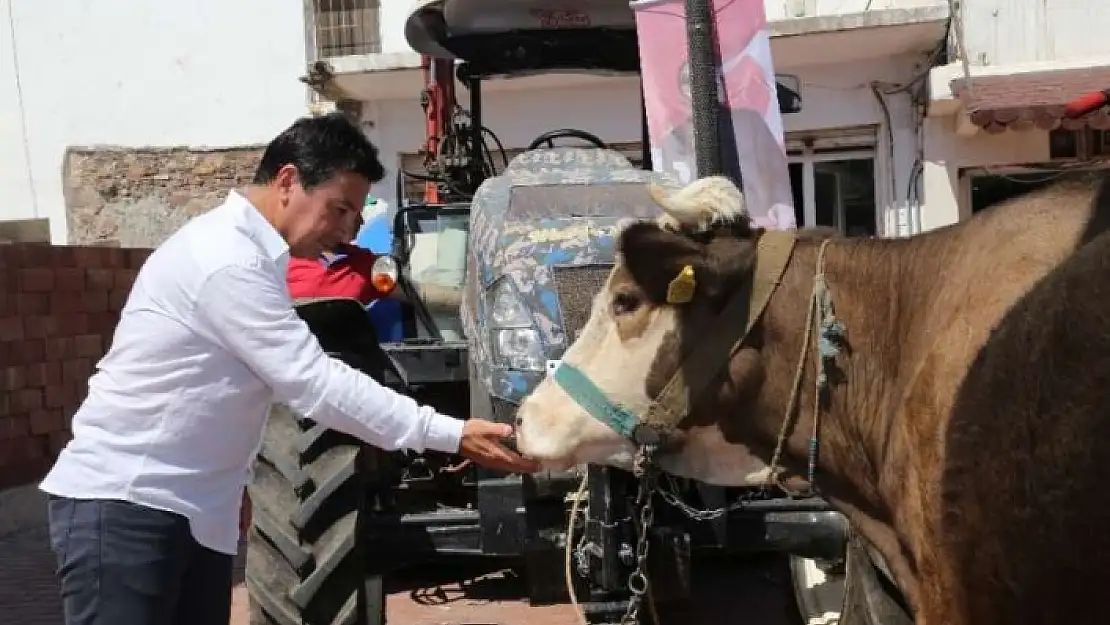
pixel 713 350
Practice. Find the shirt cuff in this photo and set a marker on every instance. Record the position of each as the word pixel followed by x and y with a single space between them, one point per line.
pixel 444 433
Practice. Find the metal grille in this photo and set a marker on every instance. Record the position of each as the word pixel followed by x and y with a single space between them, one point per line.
pixel 622 199
pixel 576 287
pixel 503 411
pixel 347 27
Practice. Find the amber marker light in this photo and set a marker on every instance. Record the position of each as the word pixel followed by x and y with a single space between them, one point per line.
pixel 383 274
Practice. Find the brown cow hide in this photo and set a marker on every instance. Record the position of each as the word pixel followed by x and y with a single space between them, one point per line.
pixel 964 435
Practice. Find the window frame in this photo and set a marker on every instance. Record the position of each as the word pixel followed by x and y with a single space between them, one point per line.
pixel 353 27
pixel 808 158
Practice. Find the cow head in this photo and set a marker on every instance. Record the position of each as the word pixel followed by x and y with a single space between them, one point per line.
pixel 634 340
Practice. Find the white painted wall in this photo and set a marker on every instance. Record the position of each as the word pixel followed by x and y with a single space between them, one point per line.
pixel 834 96
pixel 946 153
pixel 786 9
pixel 201 73
pixel 1003 32
pixel 838 96
pixel 392 16
pixel 1008 37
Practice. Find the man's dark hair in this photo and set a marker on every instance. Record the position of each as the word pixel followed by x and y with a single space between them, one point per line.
pixel 321 148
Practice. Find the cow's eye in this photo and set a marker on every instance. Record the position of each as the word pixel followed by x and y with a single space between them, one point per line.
pixel 625 303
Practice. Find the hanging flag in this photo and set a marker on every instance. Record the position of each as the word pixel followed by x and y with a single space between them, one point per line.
pixel 746 84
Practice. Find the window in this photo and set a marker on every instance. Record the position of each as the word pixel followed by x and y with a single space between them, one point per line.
pixel 835 189
pixel 346 27
pixel 990 189
pixel 435 255
pixel 1081 145
pixel 985 187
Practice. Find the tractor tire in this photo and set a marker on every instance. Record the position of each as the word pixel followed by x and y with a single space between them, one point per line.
pixel 870 597
pixel 820 592
pixel 855 593
pixel 305 561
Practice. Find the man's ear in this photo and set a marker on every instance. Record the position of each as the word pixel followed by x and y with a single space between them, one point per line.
pixel 658 260
pixel 285 179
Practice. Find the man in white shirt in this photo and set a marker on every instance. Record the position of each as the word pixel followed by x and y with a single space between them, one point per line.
pixel 145 499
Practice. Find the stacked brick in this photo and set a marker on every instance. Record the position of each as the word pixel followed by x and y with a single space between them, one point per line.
pixel 58 308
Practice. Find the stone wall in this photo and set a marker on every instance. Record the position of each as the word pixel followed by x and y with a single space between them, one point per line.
pixel 58 309
pixel 59 304
pixel 136 198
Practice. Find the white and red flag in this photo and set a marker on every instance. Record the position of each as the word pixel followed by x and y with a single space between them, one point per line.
pixel 750 107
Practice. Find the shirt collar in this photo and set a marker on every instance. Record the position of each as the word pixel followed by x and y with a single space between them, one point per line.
pixel 262 231
pixel 339 253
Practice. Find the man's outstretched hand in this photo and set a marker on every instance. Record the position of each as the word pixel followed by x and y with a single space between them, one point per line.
pixel 482 442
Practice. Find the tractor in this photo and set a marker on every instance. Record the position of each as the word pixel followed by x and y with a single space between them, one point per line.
pixel 498 266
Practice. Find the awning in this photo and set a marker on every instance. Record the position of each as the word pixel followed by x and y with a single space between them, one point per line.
pixel 1028 100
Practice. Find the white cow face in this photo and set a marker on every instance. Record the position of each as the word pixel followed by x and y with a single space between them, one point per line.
pixel 631 344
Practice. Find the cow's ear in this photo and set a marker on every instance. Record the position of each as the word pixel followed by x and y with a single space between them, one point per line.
pixel 664 263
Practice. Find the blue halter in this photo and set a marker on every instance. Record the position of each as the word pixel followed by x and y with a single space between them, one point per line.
pixel 593 400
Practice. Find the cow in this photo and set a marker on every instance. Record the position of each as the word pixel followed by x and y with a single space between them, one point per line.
pixel 957 384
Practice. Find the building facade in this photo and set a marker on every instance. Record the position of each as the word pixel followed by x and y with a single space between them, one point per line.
pixel 118 121
pixel 855 148
pixel 994 127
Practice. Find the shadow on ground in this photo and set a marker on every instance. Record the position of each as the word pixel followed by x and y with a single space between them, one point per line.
pixel 756 589
pixel 459 592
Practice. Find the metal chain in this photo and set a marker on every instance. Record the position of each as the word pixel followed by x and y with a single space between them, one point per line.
pixel 649 485
pixel 671 496
pixel 638 580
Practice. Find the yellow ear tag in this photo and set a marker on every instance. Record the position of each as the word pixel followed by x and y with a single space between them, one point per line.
pixel 681 289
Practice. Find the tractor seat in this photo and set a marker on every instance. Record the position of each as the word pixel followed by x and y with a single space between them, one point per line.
pixel 345 331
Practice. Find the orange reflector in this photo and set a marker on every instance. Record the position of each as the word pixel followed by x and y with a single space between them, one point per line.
pixel 383 282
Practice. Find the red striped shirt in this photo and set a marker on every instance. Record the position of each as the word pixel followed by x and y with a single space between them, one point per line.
pixel 346 276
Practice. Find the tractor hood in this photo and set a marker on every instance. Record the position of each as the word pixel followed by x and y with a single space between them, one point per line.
pixel 546 229
pixel 519 37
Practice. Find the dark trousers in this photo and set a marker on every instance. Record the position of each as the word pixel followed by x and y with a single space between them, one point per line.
pixel 124 564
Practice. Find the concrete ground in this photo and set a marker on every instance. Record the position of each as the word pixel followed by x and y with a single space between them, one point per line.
pixel 475 593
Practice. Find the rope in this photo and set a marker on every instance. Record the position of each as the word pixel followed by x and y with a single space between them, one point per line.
pixel 569 553
pixel 830 333
pixel 830 338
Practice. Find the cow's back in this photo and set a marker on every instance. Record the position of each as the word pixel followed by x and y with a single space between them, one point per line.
pixel 1025 526
pixel 966 282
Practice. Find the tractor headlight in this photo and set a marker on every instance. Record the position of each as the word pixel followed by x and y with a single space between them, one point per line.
pixel 515 339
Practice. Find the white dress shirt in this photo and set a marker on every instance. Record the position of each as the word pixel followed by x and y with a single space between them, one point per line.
pixel 207 340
